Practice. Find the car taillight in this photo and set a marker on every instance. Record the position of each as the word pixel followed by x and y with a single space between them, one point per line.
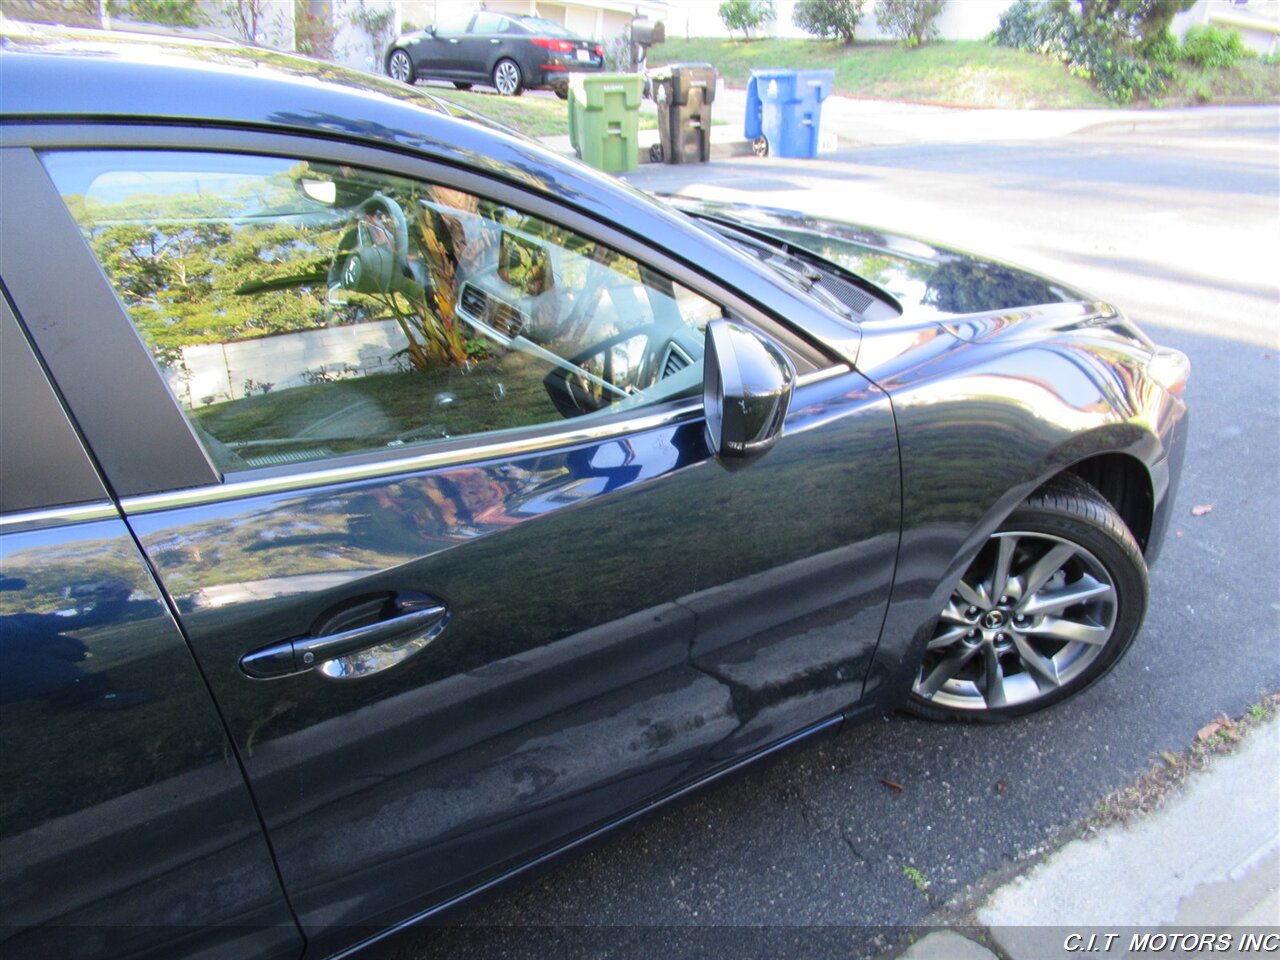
pixel 599 51
pixel 559 46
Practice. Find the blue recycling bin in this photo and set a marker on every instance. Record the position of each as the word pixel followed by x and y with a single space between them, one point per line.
pixel 784 111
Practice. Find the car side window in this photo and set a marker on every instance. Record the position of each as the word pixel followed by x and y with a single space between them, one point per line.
pixel 490 23
pixel 453 27
pixel 300 311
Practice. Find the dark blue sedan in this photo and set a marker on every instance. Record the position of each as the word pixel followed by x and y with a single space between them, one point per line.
pixel 388 504
pixel 510 52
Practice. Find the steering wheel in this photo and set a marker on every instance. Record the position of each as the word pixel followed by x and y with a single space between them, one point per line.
pixel 369 258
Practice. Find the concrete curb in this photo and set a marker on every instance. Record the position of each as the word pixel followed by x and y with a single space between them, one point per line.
pixel 1207 861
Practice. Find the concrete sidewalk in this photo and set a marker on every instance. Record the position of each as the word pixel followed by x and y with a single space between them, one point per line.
pixel 849 123
pixel 1207 861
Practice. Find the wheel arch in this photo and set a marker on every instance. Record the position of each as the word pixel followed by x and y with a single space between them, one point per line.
pixel 1125 482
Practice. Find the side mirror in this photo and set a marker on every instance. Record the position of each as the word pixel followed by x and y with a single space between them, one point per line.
pixel 747 382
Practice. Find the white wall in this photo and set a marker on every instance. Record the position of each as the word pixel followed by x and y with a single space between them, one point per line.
pixel 351 45
pixel 219 370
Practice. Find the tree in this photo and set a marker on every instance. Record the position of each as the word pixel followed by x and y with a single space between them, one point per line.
pixel 1131 19
pixel 746 15
pixel 912 21
pixel 174 13
pixel 246 16
pixel 828 18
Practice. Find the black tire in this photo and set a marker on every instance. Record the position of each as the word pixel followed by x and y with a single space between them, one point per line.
pixel 1096 596
pixel 655 153
pixel 400 67
pixel 562 91
pixel 507 78
pixel 461 86
pixel 760 146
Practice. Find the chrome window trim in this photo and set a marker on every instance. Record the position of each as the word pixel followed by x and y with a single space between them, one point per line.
pixel 25 520
pixel 430 460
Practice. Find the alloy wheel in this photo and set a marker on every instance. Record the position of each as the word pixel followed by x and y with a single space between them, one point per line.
pixel 506 78
pixel 400 67
pixel 1030 615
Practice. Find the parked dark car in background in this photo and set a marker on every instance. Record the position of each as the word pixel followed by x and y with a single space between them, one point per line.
pixel 511 53
pixel 388 504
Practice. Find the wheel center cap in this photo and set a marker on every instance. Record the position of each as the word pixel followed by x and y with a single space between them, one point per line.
pixel 994 619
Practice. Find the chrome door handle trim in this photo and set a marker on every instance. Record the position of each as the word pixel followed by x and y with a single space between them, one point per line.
pixel 302 654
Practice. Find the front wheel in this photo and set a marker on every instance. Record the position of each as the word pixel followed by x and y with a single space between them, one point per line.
pixel 1049 605
pixel 507 78
pixel 400 67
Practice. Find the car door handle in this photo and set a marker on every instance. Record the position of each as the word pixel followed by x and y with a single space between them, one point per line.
pixel 453 41
pixel 362 637
pixel 495 40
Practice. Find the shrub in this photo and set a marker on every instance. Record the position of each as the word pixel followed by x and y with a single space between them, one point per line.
pixel 1162 49
pixel 1106 53
pixel 828 18
pixel 746 15
pixel 912 21
pixel 1209 45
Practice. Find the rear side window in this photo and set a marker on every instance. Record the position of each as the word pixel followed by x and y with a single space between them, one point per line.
pixel 490 23
pixel 300 311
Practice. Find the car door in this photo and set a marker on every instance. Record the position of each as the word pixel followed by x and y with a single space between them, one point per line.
pixel 431 496
pixel 489 38
pixel 126 828
pixel 437 53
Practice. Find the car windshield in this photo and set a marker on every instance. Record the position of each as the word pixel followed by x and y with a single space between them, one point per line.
pixel 818 283
pixel 548 27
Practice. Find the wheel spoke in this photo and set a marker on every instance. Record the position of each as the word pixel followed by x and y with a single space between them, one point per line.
pixel 946 668
pixel 1038 574
pixel 1072 631
pixel 1000 573
pixel 953 614
pixel 1086 588
pixel 992 677
pixel 949 637
pixel 1042 669
pixel 974 596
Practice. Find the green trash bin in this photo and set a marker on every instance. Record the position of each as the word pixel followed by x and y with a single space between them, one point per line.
pixel 604 119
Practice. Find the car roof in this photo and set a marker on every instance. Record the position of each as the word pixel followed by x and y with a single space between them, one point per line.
pixel 84 75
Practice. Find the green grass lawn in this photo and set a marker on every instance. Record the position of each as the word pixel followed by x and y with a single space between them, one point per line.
pixel 965 72
pixel 534 116
pixel 968 72
pixel 1249 81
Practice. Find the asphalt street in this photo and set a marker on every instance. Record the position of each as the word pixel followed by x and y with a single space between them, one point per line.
pixel 813 855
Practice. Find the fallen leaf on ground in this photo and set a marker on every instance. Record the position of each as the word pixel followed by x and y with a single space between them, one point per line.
pixel 895 787
pixel 1200 509
pixel 1177 533
pixel 1169 758
pixel 1002 786
pixel 1208 731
